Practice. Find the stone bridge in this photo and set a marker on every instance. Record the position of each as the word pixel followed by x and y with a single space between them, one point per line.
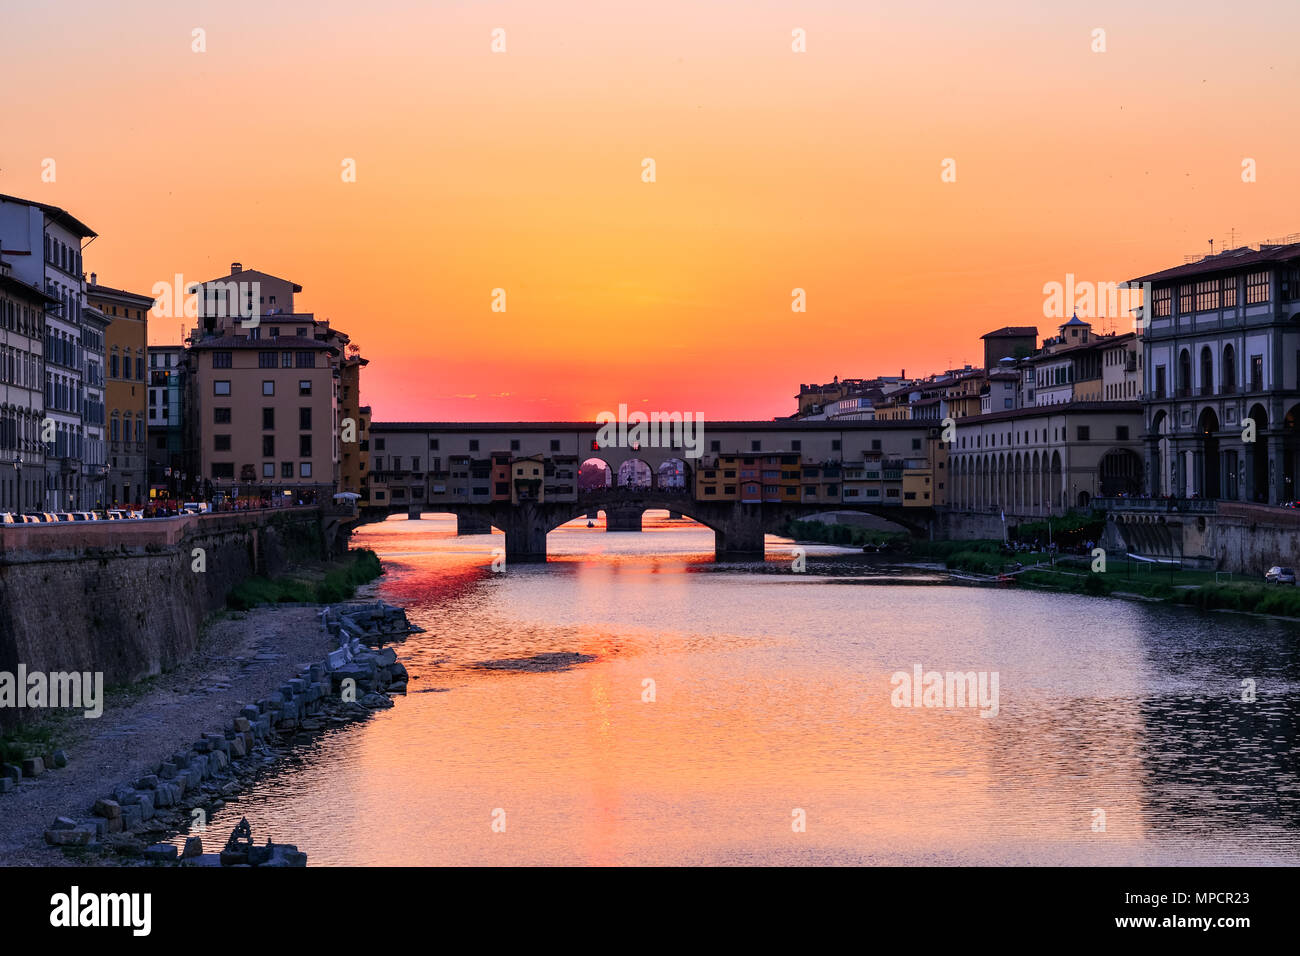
pixel 738 527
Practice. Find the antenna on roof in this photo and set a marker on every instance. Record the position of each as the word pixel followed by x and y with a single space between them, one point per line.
pixel 1211 241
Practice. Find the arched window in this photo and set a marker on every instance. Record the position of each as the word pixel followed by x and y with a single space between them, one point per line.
pixel 1207 371
pixel 1229 374
pixel 1184 373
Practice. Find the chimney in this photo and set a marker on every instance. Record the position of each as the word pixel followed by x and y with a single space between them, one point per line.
pixel 236 268
pixel 94 279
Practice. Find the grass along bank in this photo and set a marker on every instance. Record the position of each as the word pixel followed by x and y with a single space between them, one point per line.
pixel 325 583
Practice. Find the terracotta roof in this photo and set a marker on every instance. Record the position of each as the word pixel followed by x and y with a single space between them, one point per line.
pixel 1224 261
pixel 297 342
pixel 1012 332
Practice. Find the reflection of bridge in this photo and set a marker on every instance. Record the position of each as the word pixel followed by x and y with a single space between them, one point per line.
pixel 740 479
pixel 738 527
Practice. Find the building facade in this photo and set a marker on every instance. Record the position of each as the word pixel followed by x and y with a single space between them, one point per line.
pixel 170 458
pixel 94 462
pixel 127 393
pixel 22 393
pixel 1221 349
pixel 1046 460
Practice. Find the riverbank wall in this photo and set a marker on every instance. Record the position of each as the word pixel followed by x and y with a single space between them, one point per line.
pixel 127 599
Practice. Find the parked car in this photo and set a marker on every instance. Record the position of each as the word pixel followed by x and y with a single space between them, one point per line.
pixel 40 517
pixel 115 515
pixel 62 516
pixel 7 518
pixel 1280 575
pixel 82 516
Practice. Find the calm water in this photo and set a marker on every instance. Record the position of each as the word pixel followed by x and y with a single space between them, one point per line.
pixel 772 694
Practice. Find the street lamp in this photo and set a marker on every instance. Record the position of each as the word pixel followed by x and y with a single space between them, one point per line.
pixel 18 479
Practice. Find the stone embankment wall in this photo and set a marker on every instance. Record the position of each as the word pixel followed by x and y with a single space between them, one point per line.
pixel 125 598
pixel 349 684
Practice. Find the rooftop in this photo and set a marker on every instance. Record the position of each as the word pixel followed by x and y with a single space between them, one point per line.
pixel 1239 258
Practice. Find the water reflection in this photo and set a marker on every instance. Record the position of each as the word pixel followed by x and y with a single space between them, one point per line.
pixel 771 694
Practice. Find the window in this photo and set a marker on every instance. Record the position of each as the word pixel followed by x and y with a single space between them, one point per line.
pixel 755 446
pixel 221 416
pixel 268 419
pixel 1185 293
pixel 1257 288
pixel 1160 381
pixel 266 360
pixel 1121 433
pixel 795 445
pixel 875 444
pixel 473 444
pixel 221 387
pixel 304 469
pixel 1257 373
pixel 433 445
pixel 1162 302
pixel 304 386
pixel 304 419
pixel 286 469
pixel 1228 292
pixel 306 359
pixel 221 443
pixel 223 469
pixel 286 360
pixel 835 444
pixel 304 446
pixel 268 446
pixel 268 387
pixel 1207 295
pixel 223 359
pixel 916 444
pixel 268 469
pixel 1083 432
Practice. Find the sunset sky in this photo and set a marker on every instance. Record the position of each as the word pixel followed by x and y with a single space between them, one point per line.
pixel 522 170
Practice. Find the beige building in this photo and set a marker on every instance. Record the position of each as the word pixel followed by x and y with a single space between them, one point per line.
pixel 264 385
pixel 126 391
pixel 1046 460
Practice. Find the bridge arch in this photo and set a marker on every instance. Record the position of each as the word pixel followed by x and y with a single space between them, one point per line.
pixel 635 473
pixel 594 473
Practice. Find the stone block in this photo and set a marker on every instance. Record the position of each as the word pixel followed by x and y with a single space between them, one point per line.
pixel 148 782
pixel 193 848
pixel 68 837
pixel 160 853
pixel 33 767
pixel 107 808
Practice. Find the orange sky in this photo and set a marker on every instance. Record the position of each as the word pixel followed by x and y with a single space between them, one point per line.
pixel 522 170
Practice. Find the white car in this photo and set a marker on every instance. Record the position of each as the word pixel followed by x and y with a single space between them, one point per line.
pixel 1280 575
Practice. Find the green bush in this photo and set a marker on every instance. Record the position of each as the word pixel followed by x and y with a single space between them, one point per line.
pixel 339 584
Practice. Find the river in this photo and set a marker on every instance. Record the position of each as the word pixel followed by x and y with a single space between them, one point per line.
pixel 746 715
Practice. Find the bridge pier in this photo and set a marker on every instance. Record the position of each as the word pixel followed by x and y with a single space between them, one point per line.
pixel 472 524
pixel 741 536
pixel 413 512
pixel 525 528
pixel 622 519
pixel 674 516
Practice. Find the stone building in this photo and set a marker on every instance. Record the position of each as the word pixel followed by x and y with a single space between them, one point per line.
pixel 1221 350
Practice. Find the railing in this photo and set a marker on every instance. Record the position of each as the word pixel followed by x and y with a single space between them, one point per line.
pixel 1157 505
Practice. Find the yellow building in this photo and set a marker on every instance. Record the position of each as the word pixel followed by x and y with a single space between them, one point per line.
pixel 717 478
pixel 527 479
pixel 353 423
pixel 126 395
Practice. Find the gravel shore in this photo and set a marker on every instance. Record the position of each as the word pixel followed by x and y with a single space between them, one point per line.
pixel 242 657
